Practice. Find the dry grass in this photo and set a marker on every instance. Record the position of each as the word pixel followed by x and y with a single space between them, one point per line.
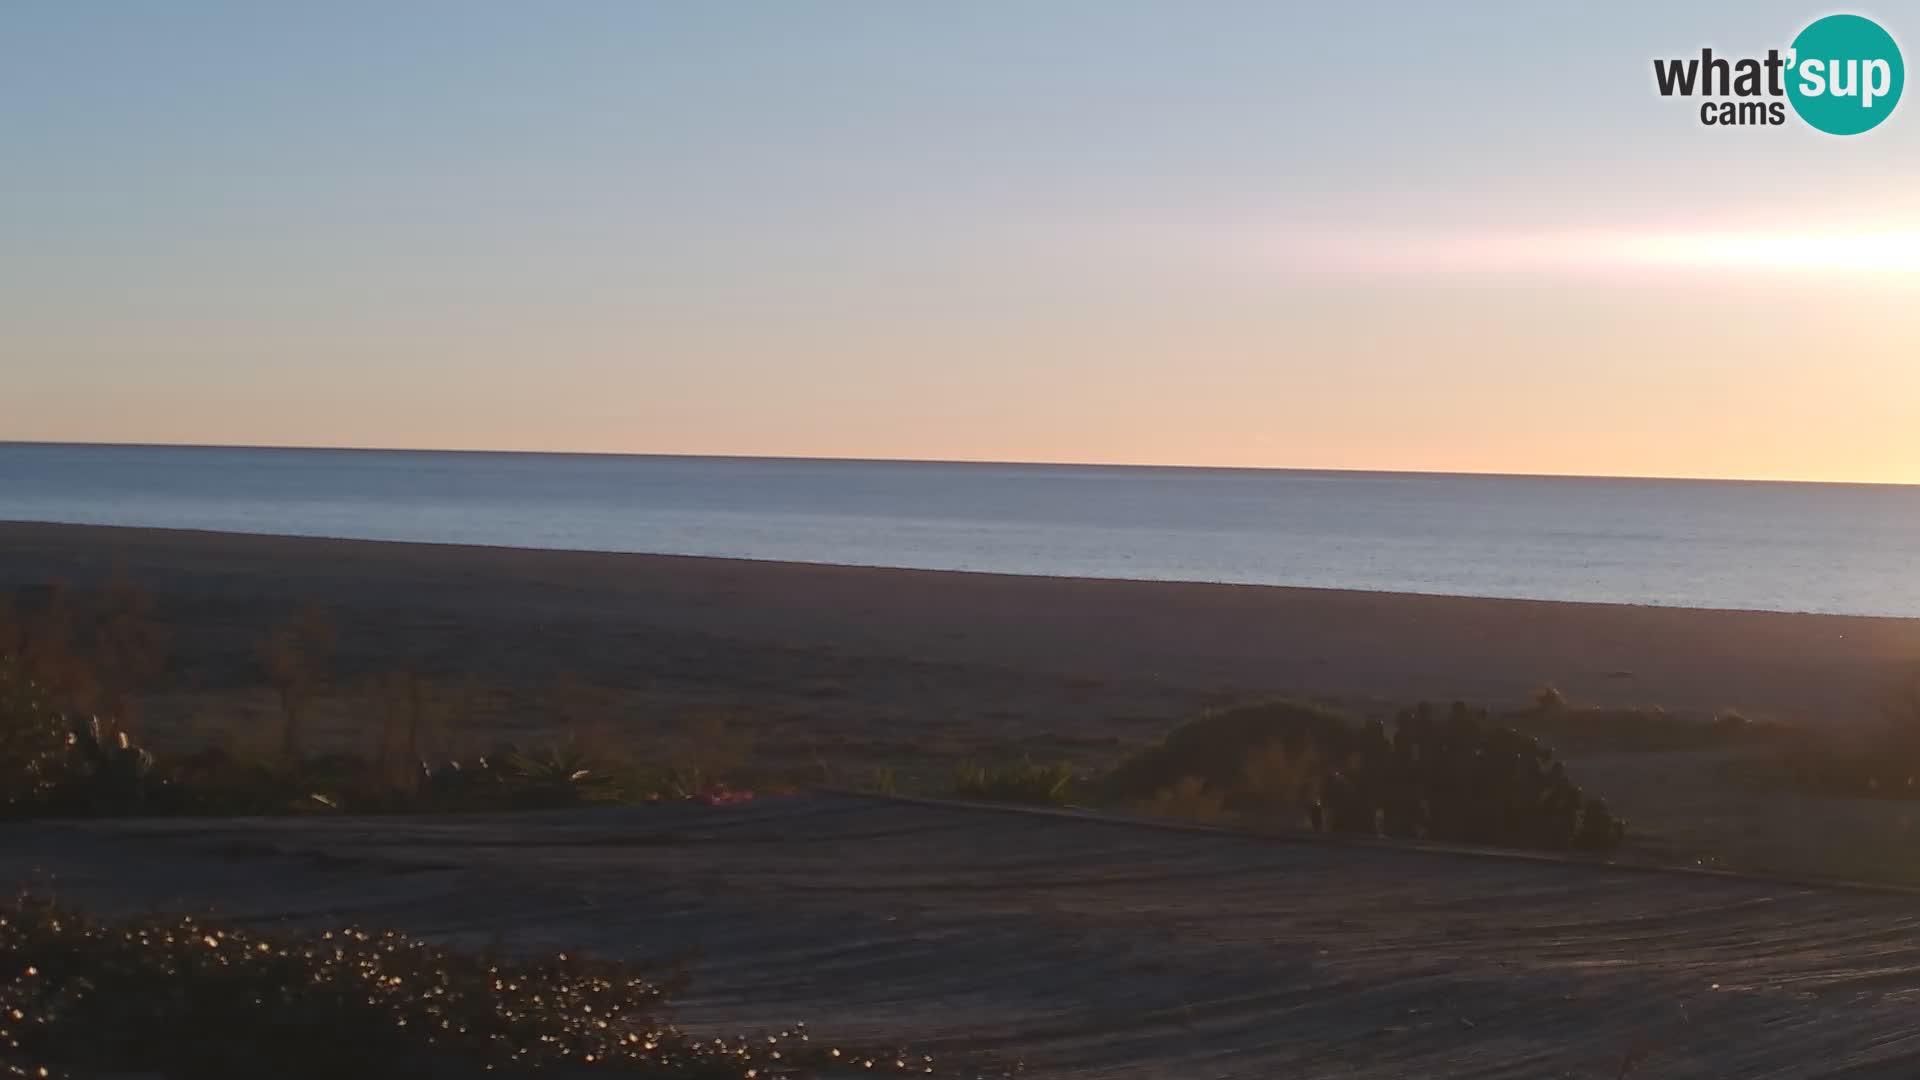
pixel 1017 782
pixel 1188 798
pixel 415 720
pixel 711 750
pixel 97 651
pixel 1279 785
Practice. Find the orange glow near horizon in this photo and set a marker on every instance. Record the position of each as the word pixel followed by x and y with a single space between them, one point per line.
pixel 1712 353
pixel 1004 232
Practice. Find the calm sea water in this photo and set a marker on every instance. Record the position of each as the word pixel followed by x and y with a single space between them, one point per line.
pixel 1792 547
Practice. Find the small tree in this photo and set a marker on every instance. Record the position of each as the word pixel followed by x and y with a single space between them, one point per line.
pixel 296 660
pixel 129 651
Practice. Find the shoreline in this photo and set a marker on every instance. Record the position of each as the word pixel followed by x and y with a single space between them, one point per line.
pixel 823 658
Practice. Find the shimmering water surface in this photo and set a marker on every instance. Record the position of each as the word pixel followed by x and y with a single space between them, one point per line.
pixel 1794 547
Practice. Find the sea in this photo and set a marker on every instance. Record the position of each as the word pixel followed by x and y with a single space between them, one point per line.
pixel 1836 548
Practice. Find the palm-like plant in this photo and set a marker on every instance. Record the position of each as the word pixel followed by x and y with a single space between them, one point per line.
pixel 117 772
pixel 557 774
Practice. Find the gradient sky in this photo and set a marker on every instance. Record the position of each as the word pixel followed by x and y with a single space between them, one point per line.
pixel 1390 235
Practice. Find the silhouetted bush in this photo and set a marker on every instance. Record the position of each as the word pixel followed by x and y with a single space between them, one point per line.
pixel 1216 746
pixel 1453 777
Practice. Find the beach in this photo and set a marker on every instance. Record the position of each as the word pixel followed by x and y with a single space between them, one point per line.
pixel 1083 947
pixel 1092 943
pixel 842 661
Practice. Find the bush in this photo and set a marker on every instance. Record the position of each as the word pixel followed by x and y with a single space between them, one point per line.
pixel 183 998
pixel 52 768
pixel 1454 778
pixel 53 764
pixel 1188 797
pixel 1216 747
pixel 33 743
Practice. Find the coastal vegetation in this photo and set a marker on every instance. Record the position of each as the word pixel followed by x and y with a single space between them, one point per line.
pixel 1017 782
pixel 73 667
pixel 1458 777
pixel 1455 776
pixel 56 764
pixel 76 667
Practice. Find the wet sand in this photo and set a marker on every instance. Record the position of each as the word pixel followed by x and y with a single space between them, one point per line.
pixel 833 657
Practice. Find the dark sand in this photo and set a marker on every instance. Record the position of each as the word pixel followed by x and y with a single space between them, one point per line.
pixel 1092 950
pixel 843 658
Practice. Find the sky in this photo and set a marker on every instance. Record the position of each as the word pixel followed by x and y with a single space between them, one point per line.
pixel 1449 237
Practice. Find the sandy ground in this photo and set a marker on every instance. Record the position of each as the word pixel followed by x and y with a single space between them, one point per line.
pixel 839 660
pixel 1090 949
pixel 1086 948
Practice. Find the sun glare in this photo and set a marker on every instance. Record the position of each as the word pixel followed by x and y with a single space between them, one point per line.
pixel 1888 254
pixel 1895 252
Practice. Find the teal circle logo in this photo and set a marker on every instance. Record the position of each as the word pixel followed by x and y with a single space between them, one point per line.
pixel 1846 74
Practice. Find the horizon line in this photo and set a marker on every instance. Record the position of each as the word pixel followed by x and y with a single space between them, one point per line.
pixel 296 447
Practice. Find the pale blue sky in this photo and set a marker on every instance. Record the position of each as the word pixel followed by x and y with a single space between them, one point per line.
pixel 1235 233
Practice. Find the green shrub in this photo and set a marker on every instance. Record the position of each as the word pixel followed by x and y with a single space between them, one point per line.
pixel 179 997
pixel 1216 747
pixel 557 774
pixel 1455 778
pixel 1464 778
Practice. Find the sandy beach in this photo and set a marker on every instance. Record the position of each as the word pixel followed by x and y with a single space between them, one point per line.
pixel 1087 944
pixel 826 659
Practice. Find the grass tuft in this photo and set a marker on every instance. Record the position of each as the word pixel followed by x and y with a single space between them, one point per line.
pixel 1017 782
